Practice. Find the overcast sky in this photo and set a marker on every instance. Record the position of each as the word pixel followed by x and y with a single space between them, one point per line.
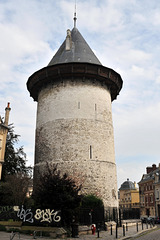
pixel 125 36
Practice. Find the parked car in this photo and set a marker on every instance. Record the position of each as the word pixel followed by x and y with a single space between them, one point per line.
pixel 150 220
pixel 147 219
pixel 143 219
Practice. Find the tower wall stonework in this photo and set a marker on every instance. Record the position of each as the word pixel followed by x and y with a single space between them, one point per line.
pixel 74 130
pixel 74 117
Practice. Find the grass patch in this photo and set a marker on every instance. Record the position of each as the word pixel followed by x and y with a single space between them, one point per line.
pixel 11 223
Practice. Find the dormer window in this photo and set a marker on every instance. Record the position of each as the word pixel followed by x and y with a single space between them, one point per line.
pixel 68 40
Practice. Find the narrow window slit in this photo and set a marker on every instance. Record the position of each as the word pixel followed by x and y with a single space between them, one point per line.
pixel 90 152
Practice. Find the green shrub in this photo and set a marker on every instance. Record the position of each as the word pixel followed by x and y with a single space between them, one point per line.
pixel 91 201
pixel 2 228
pixel 13 230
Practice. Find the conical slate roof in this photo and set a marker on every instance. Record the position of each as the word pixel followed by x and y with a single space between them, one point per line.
pixel 79 51
pixel 74 60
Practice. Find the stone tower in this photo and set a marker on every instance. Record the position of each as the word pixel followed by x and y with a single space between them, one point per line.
pixel 74 117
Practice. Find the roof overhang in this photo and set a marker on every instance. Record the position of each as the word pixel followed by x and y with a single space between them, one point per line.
pixel 61 72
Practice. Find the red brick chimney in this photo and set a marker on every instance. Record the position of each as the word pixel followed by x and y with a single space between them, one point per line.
pixel 7 114
pixel 150 169
pixel 154 167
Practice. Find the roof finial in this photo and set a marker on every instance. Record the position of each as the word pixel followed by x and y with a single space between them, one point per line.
pixel 75 18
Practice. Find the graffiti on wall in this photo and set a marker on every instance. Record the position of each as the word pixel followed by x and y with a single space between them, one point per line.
pixel 7 212
pixel 47 215
pixel 27 215
pixel 5 209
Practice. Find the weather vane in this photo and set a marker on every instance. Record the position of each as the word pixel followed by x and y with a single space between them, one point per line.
pixel 75 18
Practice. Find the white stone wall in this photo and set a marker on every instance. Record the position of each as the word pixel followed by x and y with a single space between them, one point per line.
pixel 74 100
pixel 74 129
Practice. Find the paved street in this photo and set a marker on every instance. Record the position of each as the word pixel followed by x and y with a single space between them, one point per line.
pixel 148 234
pixel 154 235
pixel 130 234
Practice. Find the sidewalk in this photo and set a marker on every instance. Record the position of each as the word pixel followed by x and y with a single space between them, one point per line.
pixel 106 235
pixel 103 235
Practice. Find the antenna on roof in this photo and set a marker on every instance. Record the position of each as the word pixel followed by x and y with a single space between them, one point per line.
pixel 75 18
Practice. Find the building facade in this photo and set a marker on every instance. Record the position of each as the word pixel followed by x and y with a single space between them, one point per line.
pixel 149 189
pixel 74 126
pixel 157 192
pixel 3 136
pixel 128 195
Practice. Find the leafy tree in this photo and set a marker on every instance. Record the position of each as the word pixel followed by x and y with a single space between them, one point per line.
pixel 16 175
pixel 15 158
pixel 56 191
pixel 91 201
pixel 14 190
